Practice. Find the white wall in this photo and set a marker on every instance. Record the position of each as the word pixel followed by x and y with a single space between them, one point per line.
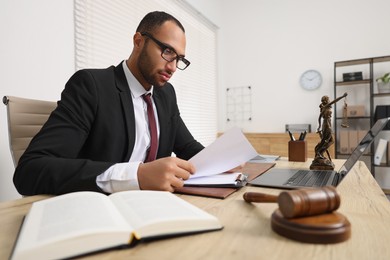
pixel 264 44
pixel 37 58
pixel 268 44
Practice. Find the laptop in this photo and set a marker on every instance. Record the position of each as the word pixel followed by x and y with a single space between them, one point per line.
pixel 296 178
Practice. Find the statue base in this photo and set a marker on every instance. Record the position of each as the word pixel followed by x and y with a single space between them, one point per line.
pixel 322 164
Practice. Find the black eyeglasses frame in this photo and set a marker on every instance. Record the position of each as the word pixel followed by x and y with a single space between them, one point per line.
pixel 163 47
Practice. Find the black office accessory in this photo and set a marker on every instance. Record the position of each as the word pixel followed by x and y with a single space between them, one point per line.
pixel 351 76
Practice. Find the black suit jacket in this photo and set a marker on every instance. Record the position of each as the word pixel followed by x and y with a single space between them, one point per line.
pixel 92 128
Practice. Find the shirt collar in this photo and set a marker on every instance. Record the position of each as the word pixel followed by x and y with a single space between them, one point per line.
pixel 136 89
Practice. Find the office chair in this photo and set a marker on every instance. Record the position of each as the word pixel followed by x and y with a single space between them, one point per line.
pixel 25 118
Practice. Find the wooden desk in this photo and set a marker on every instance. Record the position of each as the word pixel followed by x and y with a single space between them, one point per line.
pixel 247 233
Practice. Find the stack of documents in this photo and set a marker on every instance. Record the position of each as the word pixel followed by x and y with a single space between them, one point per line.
pixel 230 150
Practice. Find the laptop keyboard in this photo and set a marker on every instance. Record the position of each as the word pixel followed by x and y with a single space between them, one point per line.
pixel 309 178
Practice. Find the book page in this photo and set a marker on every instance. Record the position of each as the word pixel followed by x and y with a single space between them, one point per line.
pixel 68 217
pixel 153 213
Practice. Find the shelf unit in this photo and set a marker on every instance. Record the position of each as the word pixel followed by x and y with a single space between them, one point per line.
pixel 360 92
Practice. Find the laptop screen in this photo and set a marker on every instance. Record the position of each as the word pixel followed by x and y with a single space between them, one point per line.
pixel 362 146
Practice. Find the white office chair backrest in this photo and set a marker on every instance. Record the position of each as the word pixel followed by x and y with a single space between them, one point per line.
pixel 25 118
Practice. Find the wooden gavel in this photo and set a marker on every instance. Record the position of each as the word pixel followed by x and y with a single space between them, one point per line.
pixel 302 202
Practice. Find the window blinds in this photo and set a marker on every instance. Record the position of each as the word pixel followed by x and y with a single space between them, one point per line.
pixel 103 37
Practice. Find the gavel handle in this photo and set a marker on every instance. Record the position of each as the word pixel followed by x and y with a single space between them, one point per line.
pixel 259 197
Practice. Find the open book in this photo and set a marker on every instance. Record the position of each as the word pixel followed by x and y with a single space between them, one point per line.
pixel 83 222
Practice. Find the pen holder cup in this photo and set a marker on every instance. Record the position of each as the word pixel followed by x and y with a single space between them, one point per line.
pixel 297 151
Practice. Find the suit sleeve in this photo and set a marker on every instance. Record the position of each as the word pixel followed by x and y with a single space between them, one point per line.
pixel 51 165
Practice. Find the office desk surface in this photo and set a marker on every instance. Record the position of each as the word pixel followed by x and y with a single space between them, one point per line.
pixel 247 232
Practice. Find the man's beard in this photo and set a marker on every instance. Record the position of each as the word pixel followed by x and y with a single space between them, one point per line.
pixel 145 67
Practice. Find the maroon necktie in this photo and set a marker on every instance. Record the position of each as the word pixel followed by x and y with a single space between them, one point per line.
pixel 152 152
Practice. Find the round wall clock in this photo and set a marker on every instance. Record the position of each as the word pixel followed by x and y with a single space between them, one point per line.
pixel 310 79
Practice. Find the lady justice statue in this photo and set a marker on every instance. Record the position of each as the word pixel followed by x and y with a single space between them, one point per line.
pixel 324 129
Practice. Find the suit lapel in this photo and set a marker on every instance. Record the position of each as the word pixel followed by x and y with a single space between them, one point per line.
pixel 127 107
pixel 163 120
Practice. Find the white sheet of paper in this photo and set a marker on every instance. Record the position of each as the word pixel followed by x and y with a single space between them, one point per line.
pixel 264 158
pixel 225 153
pixel 223 178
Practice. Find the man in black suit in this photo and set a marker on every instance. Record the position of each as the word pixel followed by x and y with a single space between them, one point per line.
pixel 98 137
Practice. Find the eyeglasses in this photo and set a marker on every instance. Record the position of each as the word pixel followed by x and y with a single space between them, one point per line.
pixel 169 54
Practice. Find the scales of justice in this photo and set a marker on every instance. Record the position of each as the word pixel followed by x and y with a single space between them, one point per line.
pixel 322 162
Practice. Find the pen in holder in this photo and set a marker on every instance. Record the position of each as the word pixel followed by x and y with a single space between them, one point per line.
pixel 297 151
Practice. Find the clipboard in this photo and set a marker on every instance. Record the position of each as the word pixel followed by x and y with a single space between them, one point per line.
pixel 252 170
pixel 225 180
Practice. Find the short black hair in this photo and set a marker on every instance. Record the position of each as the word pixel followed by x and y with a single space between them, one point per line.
pixel 155 19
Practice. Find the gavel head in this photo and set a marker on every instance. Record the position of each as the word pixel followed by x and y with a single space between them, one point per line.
pixel 308 202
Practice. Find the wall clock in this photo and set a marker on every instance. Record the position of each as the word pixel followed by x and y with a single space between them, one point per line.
pixel 310 79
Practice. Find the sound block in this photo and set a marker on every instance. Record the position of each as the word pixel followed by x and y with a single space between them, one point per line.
pixel 327 228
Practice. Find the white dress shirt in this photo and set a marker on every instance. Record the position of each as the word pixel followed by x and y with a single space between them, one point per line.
pixel 123 176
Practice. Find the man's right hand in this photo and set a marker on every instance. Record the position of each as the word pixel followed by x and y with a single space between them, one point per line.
pixel 164 174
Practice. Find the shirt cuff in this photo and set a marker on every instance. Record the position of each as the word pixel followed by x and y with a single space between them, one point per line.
pixel 119 177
